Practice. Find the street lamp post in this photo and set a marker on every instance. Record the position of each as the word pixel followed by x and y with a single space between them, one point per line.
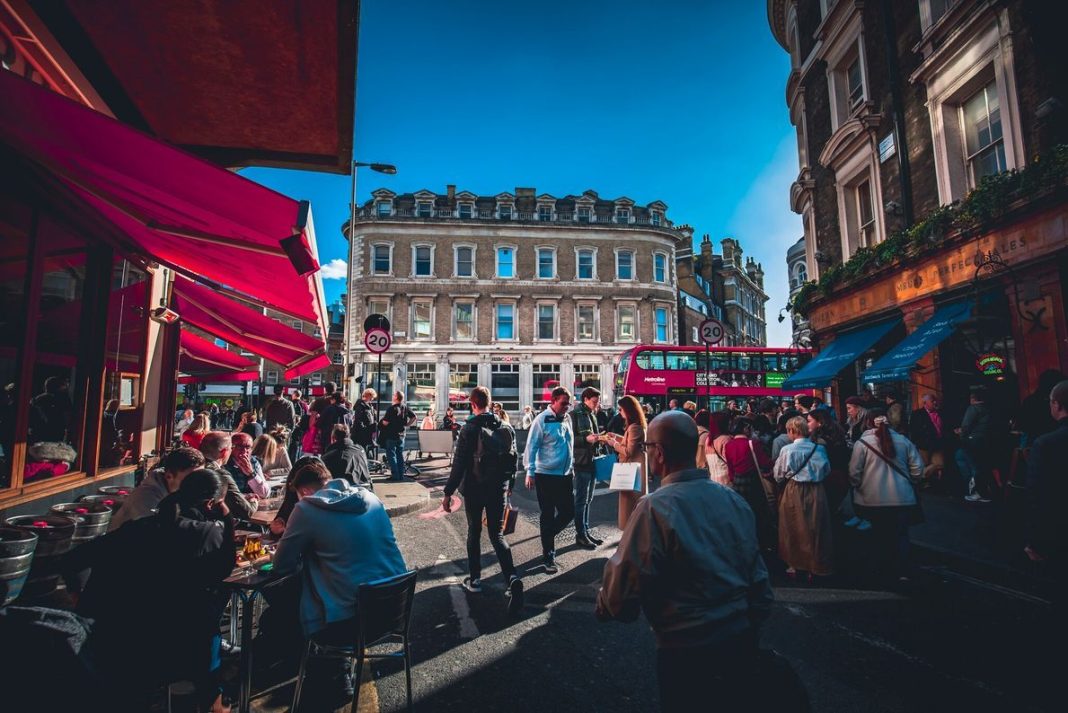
pixel 388 169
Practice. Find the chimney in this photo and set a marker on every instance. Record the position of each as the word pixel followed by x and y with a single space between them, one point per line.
pixel 450 191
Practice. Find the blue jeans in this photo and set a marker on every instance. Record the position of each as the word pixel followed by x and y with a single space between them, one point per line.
pixel 395 456
pixel 584 484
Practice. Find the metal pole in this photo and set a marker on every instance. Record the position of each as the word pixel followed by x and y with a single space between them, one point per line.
pixel 378 391
pixel 708 382
pixel 349 313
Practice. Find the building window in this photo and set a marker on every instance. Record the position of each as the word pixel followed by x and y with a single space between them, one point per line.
pixel 585 260
pixel 661 315
pixel 505 262
pixel 382 382
pixel 546 378
pixel 545 212
pixel 800 276
pixel 465 210
pixel 626 323
pixel 422 318
pixel 586 376
pixel 624 265
pixel 984 143
pixel 338 358
pixel 378 305
pixel 546 322
pixel 855 84
pixel 423 260
pixel 546 263
pixel 931 11
pixel 582 214
pixel 505 322
pixel 846 73
pixel 462 378
pixel 271 377
pixel 465 261
pixel 504 385
pixel 622 215
pixel 865 215
pixel 424 209
pixel 422 389
pixel 384 209
pixel 381 259
pixel 655 218
pixel 463 320
pixel 659 267
pixel 586 322
pixel 695 336
pixel 504 211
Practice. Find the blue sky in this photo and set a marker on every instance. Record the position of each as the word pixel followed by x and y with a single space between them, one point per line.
pixel 681 101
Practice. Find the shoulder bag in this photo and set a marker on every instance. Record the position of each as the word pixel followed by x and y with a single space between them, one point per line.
pixel 790 475
pixel 916 514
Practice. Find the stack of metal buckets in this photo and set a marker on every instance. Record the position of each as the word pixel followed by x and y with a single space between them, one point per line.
pixel 31 546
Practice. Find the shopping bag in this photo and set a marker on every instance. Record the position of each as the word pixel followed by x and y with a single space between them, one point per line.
pixel 602 466
pixel 626 476
pixel 509 518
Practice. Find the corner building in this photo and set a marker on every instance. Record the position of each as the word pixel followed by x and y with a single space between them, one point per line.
pixel 517 292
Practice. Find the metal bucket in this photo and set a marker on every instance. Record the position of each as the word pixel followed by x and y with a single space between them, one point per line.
pixel 54 536
pixel 110 501
pixel 117 492
pixel 94 519
pixel 16 555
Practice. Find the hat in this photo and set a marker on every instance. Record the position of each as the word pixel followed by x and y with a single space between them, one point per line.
pixel 856 401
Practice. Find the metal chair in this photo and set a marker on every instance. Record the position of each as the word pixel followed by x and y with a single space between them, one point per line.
pixel 384 615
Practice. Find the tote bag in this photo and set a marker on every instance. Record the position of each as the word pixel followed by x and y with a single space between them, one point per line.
pixel 626 477
pixel 602 466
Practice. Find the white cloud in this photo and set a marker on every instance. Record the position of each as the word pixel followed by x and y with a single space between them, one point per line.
pixel 766 228
pixel 336 269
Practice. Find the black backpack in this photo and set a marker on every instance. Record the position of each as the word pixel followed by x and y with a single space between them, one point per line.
pixel 496 459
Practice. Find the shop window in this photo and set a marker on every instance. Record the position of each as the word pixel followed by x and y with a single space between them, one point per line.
pixel 462 378
pixel 504 385
pixel 587 375
pixel 380 381
pixel 123 365
pixel 546 378
pixel 421 391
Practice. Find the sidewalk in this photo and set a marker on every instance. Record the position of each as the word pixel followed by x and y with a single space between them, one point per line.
pixel 402 498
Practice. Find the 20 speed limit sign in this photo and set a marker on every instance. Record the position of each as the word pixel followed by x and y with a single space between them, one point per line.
pixel 711 331
pixel 377 341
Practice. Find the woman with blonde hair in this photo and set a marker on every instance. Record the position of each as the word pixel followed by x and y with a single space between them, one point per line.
pixel 271 454
pixel 630 447
pixel 804 515
pixel 200 427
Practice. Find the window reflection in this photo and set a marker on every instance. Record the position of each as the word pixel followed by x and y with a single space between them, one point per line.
pixel 14 263
pixel 120 424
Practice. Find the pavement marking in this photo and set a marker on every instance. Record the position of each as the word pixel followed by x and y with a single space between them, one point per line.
pixel 943 571
pixel 457 594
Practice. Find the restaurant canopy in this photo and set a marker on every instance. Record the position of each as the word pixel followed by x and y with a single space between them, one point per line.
pixel 200 360
pixel 239 83
pixel 842 352
pixel 177 209
pixel 236 323
pixel 896 363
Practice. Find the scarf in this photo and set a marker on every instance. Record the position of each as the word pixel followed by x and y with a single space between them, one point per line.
pixel 936 421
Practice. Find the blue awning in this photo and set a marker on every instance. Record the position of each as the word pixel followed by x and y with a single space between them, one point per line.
pixel 842 352
pixel 896 363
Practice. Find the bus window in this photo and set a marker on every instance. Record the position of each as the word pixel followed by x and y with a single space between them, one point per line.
pixel 771 362
pixel 790 362
pixel 650 360
pixel 741 361
pixel 719 362
pixel 624 363
pixel 681 361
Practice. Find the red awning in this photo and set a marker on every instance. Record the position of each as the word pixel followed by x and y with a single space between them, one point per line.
pixel 201 360
pixel 236 323
pixel 179 210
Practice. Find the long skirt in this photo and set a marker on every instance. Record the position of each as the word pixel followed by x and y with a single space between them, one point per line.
pixel 805 528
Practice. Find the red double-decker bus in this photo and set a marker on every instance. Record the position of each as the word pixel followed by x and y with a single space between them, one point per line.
pixel 655 374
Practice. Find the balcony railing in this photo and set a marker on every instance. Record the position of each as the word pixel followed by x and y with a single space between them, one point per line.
pixel 661 223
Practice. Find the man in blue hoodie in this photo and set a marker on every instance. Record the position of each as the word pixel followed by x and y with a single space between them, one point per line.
pixel 343 537
pixel 549 459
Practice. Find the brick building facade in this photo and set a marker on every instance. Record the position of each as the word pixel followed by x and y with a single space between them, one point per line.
pixel 721 286
pixel 518 292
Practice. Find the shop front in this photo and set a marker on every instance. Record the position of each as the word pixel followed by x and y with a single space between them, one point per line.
pixel 982 309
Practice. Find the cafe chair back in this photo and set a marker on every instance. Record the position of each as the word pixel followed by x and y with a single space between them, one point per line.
pixel 384 616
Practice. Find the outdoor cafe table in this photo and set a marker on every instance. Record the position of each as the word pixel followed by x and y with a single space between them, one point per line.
pixel 245 586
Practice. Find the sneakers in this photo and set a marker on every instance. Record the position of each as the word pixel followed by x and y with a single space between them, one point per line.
pixel 585 542
pixel 863 526
pixel 515 595
pixel 976 498
pixel 550 564
pixel 472 585
pixel 595 540
pixel 859 523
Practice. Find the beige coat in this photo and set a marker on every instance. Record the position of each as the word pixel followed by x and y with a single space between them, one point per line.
pixel 631 449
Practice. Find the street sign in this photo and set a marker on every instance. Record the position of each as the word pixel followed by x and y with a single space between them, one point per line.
pixel 377 341
pixel 711 331
pixel 375 321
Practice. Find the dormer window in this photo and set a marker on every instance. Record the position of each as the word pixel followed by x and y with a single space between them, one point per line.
pixel 583 214
pixel 466 209
pixel 423 209
pixel 504 211
pixel 545 212
pixel 622 215
pixel 655 218
pixel 384 209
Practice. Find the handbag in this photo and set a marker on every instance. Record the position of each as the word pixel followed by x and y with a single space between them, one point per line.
pixel 626 477
pixel 602 466
pixel 509 518
pixel 916 515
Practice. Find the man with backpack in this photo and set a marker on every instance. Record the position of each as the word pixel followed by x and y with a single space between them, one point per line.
pixel 391 434
pixel 483 470
pixel 363 418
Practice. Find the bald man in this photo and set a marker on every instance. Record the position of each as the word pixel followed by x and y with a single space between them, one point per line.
pixel 696 541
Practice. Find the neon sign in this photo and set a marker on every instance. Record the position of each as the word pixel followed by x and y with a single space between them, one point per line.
pixel 990 364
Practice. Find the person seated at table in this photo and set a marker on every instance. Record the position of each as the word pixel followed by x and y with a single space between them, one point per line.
pixel 154 593
pixel 158 484
pixel 216 447
pixel 275 461
pixel 345 459
pixel 246 469
pixel 199 428
pixel 330 517
pixel 278 525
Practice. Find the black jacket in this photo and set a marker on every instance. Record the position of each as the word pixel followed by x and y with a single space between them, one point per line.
pixel 584 422
pixel 279 412
pixel 1047 489
pixel 363 423
pixel 462 476
pixel 394 421
pixel 345 459
pixel 922 432
pixel 330 417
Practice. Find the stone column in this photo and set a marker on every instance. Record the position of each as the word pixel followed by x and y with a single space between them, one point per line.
pixel 526 381
pixel 567 373
pixel 442 381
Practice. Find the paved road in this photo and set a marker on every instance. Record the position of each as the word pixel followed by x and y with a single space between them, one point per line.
pixel 950 643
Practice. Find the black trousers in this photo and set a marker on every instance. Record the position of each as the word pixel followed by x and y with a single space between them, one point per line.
pixel 557 502
pixel 477 500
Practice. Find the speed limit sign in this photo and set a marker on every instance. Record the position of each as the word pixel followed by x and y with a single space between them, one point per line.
pixel 711 331
pixel 377 341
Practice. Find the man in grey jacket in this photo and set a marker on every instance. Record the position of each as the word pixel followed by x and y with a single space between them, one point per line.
pixel 158 484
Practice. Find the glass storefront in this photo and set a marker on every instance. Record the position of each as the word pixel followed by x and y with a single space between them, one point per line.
pixel 587 375
pixel 382 382
pixel 504 386
pixel 422 389
pixel 546 378
pixel 462 378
